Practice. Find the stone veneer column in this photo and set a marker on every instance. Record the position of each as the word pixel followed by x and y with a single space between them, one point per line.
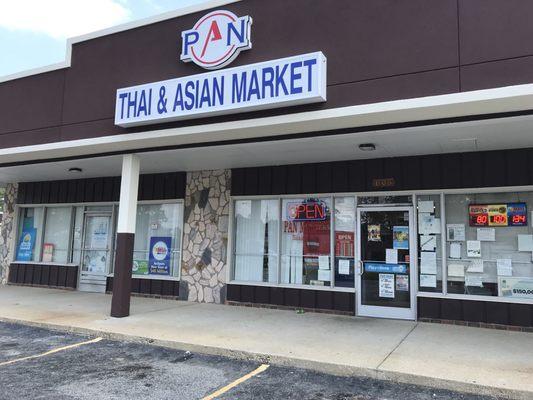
pixel 205 236
pixel 7 230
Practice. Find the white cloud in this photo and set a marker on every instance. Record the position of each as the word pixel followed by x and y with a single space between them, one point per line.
pixel 62 19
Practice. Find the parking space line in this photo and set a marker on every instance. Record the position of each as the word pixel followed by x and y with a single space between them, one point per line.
pixel 237 382
pixel 70 346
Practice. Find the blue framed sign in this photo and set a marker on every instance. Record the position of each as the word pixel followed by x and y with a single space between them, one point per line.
pixel 159 259
pixel 386 268
pixel 26 245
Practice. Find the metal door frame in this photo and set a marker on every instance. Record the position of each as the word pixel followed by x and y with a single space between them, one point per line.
pixel 383 311
pixel 110 242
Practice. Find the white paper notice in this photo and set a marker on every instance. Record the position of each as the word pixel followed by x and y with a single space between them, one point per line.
pixel 455 232
pixel 456 270
pixel 455 250
pixel 428 242
pixel 324 275
pixel 486 234
pixel 473 248
pixel 243 208
pixel 323 262
pixel 474 280
pixel 344 267
pixel 428 262
pixel 386 286
pixel 391 256
pixel 525 242
pixel 428 281
pixel 504 266
pixel 475 266
pixel 435 227
pixel 426 206
pixel 425 223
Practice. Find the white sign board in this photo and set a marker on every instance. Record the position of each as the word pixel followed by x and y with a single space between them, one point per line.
pixel 279 83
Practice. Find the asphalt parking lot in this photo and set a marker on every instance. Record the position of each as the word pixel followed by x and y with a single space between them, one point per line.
pixel 41 364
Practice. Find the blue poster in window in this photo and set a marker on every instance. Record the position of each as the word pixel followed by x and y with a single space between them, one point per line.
pixel 400 237
pixel 26 244
pixel 159 259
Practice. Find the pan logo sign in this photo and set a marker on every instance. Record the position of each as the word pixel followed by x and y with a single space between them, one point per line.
pixel 216 39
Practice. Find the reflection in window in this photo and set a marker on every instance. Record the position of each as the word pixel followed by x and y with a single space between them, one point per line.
pixel 256 240
pixel 157 249
pixel 344 241
pixel 492 257
pixel 306 241
pixel 57 234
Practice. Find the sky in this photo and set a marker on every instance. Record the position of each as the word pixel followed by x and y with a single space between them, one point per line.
pixel 33 33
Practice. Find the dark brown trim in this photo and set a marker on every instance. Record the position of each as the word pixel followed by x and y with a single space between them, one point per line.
pixel 165 186
pixel 44 275
pixel 120 302
pixel 164 289
pixel 475 313
pixel 292 298
pixel 438 171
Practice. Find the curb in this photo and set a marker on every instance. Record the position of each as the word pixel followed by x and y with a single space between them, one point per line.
pixel 283 361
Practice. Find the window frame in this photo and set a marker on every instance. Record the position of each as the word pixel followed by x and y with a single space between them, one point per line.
pixel 414 193
pixel 115 205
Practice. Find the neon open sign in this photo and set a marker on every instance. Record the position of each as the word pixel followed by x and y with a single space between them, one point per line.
pixel 306 211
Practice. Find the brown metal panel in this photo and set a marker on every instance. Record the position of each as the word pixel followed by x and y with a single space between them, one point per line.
pixel 167 288
pixel 429 308
pixel 28 274
pixel 13 271
pixel 62 276
pixel 37 272
pixel 25 138
pixel 20 273
pixel 487 75
pixel 33 102
pixel 156 287
pixel 52 278
pixel 45 275
pixel 234 293
pixel 72 277
pixel 495 29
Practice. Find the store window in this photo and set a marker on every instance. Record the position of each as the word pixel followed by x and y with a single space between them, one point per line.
pixel 30 234
pixel 56 243
pixel 344 240
pixel 490 244
pixel 157 249
pixel 430 260
pixel 306 241
pixel 256 240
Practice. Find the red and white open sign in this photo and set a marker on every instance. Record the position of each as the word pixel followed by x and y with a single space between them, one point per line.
pixel 306 211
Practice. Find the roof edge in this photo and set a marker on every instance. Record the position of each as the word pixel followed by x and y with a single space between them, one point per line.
pixel 112 30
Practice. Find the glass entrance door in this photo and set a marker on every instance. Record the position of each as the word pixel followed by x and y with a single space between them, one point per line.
pixel 386 269
pixel 96 252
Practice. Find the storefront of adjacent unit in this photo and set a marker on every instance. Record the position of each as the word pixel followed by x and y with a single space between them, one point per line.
pixel 368 158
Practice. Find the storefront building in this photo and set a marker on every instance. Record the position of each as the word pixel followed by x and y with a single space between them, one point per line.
pixel 368 158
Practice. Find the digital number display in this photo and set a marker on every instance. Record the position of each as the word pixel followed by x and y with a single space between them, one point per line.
pixel 510 214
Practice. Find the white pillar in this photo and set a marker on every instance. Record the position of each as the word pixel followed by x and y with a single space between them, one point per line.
pixel 129 187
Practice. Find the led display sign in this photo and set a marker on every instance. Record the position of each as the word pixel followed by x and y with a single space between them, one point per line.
pixel 509 214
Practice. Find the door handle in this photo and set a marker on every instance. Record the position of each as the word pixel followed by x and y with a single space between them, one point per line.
pixel 360 268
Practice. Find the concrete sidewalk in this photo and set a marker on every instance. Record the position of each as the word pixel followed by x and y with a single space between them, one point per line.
pixel 454 357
